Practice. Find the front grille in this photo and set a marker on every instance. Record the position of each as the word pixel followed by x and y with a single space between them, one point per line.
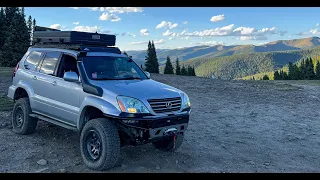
pixel 160 105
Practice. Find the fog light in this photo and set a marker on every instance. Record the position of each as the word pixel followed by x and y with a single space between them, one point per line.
pixel 189 104
pixel 132 110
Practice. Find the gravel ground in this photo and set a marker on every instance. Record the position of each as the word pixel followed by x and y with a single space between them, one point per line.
pixel 235 126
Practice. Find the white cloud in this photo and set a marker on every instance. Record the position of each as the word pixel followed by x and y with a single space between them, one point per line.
pixel 74 7
pixel 170 38
pixel 138 42
pixel 161 41
pixel 244 30
pixel 223 31
pixel 144 32
pixel 118 10
pixel 165 24
pixel 56 26
pixel 167 33
pixel 312 31
pixel 90 29
pixel 217 18
pixel 211 43
pixel 246 33
pixel 186 22
pixel 245 38
pixel 128 34
pixel 76 23
pixel 106 16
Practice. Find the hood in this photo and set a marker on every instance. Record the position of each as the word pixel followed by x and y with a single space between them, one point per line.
pixel 141 89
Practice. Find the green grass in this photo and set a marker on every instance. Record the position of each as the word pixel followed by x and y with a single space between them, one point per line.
pixel 6 71
pixel 6 104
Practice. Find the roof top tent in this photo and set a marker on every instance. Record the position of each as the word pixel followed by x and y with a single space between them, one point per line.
pixel 81 41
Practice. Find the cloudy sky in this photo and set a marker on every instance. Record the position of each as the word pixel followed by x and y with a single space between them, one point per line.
pixel 182 26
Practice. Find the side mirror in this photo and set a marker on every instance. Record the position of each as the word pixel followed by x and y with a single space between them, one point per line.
pixel 147 73
pixel 71 76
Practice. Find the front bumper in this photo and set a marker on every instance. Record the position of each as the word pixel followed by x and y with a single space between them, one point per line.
pixel 148 128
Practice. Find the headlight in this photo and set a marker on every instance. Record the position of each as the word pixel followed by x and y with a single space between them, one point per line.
pixel 185 101
pixel 131 105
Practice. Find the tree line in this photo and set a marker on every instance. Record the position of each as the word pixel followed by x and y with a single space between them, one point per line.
pixel 15 35
pixel 152 64
pixel 305 69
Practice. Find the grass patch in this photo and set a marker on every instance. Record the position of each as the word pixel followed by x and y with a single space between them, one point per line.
pixel 6 104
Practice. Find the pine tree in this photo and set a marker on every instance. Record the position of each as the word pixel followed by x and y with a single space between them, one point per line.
pixel 168 69
pixel 189 70
pixel 17 39
pixel 148 62
pixel 184 71
pixel 193 72
pixel 285 76
pixel 302 69
pixel 276 75
pixel 155 63
pixel 296 74
pixel 318 70
pixel 265 77
pixel 2 28
pixel 310 69
pixel 178 70
pixel 30 28
pixel 291 71
pixel 34 24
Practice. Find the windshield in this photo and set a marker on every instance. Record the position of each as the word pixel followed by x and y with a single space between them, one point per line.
pixel 112 68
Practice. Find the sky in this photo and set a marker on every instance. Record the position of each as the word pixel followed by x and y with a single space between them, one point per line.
pixel 178 27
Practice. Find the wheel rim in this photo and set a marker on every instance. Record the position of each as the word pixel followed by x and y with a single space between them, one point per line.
pixel 19 117
pixel 93 143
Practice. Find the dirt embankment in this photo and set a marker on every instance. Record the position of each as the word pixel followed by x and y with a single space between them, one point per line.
pixel 235 126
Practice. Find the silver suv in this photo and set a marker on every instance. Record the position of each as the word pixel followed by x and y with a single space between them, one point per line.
pixel 101 93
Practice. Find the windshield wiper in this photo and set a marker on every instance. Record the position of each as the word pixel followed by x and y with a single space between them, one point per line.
pixel 129 78
pixel 106 79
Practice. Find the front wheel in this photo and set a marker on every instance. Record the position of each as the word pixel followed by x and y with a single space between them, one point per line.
pixel 22 122
pixel 100 144
pixel 169 144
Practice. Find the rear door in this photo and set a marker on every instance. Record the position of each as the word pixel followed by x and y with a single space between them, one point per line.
pixel 44 82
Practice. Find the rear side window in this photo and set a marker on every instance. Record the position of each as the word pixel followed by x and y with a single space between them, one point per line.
pixel 32 60
pixel 50 62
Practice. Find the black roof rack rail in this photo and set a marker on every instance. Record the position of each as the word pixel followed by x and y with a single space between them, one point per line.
pixel 79 47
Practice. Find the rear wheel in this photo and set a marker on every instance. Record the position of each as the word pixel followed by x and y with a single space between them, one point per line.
pixel 100 144
pixel 22 123
pixel 169 144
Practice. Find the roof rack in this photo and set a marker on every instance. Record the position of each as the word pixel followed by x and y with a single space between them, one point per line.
pixel 45 37
pixel 79 47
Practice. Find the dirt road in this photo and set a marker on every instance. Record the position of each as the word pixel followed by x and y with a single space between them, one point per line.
pixel 235 126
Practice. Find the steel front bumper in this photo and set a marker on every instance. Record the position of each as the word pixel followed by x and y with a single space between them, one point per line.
pixel 150 128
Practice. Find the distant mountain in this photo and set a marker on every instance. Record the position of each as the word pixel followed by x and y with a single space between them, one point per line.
pixel 248 64
pixel 220 50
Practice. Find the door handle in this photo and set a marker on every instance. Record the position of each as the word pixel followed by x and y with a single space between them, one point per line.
pixel 54 83
pixel 34 77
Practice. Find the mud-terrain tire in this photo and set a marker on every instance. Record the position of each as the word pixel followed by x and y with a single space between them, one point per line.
pixel 22 123
pixel 168 143
pixel 100 144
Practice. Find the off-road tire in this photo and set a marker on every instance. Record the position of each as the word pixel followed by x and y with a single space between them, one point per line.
pixel 22 123
pixel 109 148
pixel 168 143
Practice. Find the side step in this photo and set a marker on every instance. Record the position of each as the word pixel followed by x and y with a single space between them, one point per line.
pixel 50 120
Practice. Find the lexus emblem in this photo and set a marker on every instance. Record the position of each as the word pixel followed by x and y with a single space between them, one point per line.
pixel 168 105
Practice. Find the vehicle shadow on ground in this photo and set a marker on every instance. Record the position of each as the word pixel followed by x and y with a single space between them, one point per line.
pixel 60 147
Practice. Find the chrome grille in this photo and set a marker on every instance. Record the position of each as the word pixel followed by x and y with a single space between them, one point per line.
pixel 160 105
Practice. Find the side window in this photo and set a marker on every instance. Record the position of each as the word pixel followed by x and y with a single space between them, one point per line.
pixel 50 62
pixel 32 60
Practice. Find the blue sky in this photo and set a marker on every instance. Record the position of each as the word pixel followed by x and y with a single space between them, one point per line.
pixel 176 27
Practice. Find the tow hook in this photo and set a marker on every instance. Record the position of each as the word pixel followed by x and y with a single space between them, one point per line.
pixel 172 132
